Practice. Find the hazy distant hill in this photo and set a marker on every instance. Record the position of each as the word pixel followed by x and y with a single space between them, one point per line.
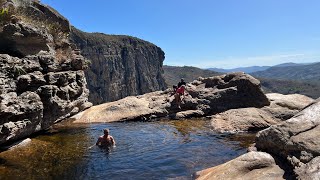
pixel 243 69
pixel 173 74
pixel 309 72
pixel 252 69
pixel 291 64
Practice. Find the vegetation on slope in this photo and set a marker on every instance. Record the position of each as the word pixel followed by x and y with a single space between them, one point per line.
pixel 311 89
pixel 173 74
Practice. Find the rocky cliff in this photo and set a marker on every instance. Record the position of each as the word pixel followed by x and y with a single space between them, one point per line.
pixel 120 65
pixel 41 75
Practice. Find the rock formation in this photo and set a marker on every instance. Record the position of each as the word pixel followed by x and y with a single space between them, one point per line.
pixel 253 165
pixel 206 97
pixel 294 144
pixel 296 140
pixel 41 75
pixel 120 66
pixel 282 107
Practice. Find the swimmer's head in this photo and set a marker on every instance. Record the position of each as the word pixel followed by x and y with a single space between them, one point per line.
pixel 106 131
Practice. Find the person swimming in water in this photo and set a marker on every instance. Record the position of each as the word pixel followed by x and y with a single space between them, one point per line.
pixel 106 140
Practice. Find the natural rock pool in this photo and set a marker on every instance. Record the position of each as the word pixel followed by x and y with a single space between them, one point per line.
pixel 145 150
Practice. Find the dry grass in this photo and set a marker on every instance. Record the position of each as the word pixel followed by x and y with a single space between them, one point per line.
pixel 20 13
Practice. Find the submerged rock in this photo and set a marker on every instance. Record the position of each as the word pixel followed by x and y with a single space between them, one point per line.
pixel 253 165
pixel 206 96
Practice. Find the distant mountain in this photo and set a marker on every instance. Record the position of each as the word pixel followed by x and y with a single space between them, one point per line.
pixel 292 64
pixel 243 69
pixel 173 74
pixel 252 69
pixel 310 72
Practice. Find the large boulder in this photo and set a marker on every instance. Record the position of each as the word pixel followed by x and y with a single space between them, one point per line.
pixel 206 96
pixel 244 119
pixel 253 165
pixel 296 139
pixel 282 107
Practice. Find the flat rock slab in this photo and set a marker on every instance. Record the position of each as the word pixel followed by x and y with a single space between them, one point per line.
pixel 251 166
pixel 282 107
pixel 128 108
pixel 239 120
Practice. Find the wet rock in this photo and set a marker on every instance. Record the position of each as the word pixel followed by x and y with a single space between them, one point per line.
pixel 188 114
pixel 253 165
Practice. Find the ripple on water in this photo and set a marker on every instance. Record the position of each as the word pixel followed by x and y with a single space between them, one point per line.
pixel 145 150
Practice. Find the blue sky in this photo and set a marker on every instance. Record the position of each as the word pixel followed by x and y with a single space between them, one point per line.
pixel 208 33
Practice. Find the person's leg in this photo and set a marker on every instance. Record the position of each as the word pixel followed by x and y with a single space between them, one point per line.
pixel 178 99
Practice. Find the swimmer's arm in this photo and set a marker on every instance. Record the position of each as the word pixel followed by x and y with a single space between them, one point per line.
pixel 113 141
pixel 99 141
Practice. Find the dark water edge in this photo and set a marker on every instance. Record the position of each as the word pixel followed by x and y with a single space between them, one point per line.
pixel 145 150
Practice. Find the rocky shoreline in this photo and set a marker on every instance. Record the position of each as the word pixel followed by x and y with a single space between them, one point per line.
pixel 286 147
pixel 42 77
pixel 42 81
pixel 294 144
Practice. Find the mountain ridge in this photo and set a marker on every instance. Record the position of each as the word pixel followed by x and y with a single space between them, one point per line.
pixel 252 69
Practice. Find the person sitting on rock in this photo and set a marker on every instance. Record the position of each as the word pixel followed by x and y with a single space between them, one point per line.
pixel 106 140
pixel 182 82
pixel 180 92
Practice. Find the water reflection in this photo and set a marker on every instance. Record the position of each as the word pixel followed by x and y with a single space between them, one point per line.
pixel 153 150
pixel 49 155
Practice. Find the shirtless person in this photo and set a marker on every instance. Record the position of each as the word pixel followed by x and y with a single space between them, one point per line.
pixel 106 140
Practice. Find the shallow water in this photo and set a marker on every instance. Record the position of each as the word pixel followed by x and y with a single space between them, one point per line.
pixel 145 150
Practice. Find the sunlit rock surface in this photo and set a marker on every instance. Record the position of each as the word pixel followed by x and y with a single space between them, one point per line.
pixel 206 96
pixel 253 165
pixel 282 107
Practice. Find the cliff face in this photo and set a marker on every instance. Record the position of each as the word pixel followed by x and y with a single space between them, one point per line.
pixel 120 65
pixel 41 75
